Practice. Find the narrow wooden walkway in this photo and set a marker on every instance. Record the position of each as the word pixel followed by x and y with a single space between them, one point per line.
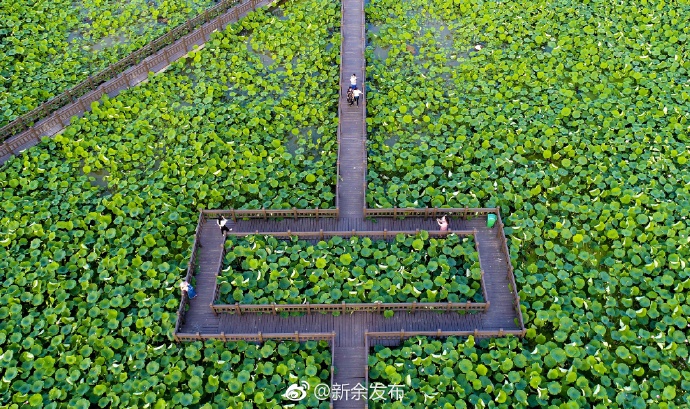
pixel 198 318
pixel 352 118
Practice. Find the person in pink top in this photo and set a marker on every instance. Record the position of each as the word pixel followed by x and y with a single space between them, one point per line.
pixel 442 223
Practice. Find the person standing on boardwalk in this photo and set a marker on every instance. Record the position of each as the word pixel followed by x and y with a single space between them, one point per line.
pixel 356 93
pixel 350 96
pixel 442 223
pixel 186 287
pixel 222 221
pixel 353 82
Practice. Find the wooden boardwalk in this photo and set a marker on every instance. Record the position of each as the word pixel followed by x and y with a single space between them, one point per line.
pixel 350 354
pixel 352 128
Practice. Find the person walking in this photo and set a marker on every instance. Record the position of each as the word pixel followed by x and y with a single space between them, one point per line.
pixel 350 96
pixel 222 223
pixel 353 82
pixel 356 93
pixel 186 287
pixel 442 223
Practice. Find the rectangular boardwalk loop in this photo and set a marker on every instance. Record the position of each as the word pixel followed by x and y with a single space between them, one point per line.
pixel 359 325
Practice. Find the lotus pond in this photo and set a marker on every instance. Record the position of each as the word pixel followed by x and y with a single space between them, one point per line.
pixel 48 47
pixel 504 373
pixel 264 270
pixel 573 117
pixel 96 225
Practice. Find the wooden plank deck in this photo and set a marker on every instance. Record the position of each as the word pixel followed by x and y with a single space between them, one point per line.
pixel 352 118
pixel 200 318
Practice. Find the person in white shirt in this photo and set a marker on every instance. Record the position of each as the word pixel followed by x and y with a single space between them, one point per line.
pixel 356 93
pixel 222 221
pixel 442 223
pixel 353 81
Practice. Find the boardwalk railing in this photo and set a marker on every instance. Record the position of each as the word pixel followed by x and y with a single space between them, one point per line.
pixel 364 98
pixel 53 115
pixel 345 307
pixel 266 214
pixel 463 212
pixel 484 293
pixel 322 235
pixel 191 267
pixel 258 337
pixel 340 108
pixel 216 287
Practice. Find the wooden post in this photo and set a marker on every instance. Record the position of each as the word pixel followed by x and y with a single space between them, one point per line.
pixel 317 213
pixel 296 336
pixel 321 231
pixel 222 336
pixel 261 338
pixel 402 334
pixel 308 308
pixel 414 306
pixel 238 309
pixel 274 309
pixel 263 209
pixel 234 217
pixel 343 307
pixel 34 133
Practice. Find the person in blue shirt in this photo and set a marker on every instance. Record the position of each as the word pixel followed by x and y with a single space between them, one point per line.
pixel 185 286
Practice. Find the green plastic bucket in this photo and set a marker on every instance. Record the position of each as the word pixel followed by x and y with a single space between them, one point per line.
pixel 490 220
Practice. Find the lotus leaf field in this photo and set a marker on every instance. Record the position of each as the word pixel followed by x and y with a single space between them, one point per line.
pixel 264 270
pixel 468 373
pixel 573 118
pixel 48 47
pixel 96 225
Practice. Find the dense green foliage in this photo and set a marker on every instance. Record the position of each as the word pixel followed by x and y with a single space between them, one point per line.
pixel 48 46
pixel 263 270
pixel 250 376
pixel 96 225
pixel 574 119
pixel 502 373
